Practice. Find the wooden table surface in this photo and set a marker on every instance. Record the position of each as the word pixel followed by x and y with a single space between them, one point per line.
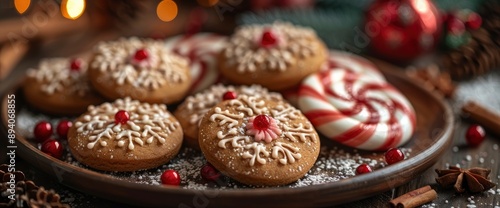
pixel 483 90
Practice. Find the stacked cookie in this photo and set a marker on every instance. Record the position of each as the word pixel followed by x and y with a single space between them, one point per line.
pixel 244 130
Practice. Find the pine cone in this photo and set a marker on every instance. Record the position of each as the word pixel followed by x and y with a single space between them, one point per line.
pixel 482 52
pixel 26 193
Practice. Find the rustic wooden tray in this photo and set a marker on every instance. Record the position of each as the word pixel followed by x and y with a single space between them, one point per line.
pixel 431 139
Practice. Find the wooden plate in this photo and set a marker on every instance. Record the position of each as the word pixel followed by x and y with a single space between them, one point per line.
pixel 431 139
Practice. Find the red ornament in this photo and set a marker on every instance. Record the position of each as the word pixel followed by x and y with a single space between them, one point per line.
pixel 53 148
pixel 209 173
pixel 261 122
pixel 229 95
pixel 170 177
pixel 399 30
pixel 122 117
pixel 141 55
pixel 475 135
pixel 42 131
pixel 474 21
pixel 394 155
pixel 63 128
pixel 456 26
pixel 363 168
pixel 268 39
pixel 76 65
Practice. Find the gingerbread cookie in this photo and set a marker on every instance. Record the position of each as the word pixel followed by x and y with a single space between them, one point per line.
pixel 357 110
pixel 60 86
pixel 125 135
pixel 192 110
pixel 277 56
pixel 202 50
pixel 259 142
pixel 142 69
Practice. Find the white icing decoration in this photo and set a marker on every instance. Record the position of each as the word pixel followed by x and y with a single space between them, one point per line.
pixel 244 52
pixel 159 69
pixel 146 121
pixel 232 136
pixel 55 75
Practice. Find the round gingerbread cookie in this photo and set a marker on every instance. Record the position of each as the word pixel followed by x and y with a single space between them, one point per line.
pixel 202 50
pixel 277 56
pixel 259 142
pixel 125 135
pixel 357 110
pixel 142 69
pixel 60 86
pixel 192 110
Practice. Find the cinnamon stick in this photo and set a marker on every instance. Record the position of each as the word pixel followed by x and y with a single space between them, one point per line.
pixel 483 116
pixel 414 198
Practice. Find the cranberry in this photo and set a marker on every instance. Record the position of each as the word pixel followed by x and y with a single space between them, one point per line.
pixel 141 55
pixel 53 148
pixel 42 131
pixel 121 117
pixel 456 26
pixel 475 135
pixel 209 173
pixel 170 177
pixel 474 21
pixel 363 168
pixel 76 65
pixel 261 122
pixel 394 155
pixel 229 95
pixel 268 39
pixel 63 128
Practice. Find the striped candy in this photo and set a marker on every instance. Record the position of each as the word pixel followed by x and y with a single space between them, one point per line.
pixel 354 105
pixel 202 50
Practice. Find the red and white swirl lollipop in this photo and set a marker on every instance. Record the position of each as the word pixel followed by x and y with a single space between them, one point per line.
pixel 202 50
pixel 357 109
pixel 338 60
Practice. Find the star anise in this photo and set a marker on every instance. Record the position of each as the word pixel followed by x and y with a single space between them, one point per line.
pixel 474 179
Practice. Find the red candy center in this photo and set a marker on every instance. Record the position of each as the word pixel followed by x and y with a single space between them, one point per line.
pixel 363 168
pixel 170 177
pixel 229 95
pixel 75 65
pixel 268 39
pixel 121 117
pixel 141 55
pixel 394 155
pixel 261 122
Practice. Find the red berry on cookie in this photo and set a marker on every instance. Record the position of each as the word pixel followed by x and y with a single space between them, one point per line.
pixel 141 55
pixel 75 64
pixel 229 95
pixel 269 39
pixel 121 117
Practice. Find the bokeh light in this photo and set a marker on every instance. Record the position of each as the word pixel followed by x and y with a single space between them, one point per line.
pixel 22 5
pixel 72 9
pixel 167 10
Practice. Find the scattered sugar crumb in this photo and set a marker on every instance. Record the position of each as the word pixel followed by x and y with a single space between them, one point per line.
pixel 468 158
pixel 455 149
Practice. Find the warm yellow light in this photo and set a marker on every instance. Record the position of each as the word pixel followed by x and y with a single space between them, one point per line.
pixel 72 9
pixel 208 3
pixel 22 5
pixel 167 10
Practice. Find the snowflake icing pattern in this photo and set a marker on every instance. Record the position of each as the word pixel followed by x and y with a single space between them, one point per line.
pixel 148 121
pixel 284 151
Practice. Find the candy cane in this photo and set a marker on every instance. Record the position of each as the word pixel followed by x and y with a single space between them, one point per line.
pixel 201 50
pixel 357 110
